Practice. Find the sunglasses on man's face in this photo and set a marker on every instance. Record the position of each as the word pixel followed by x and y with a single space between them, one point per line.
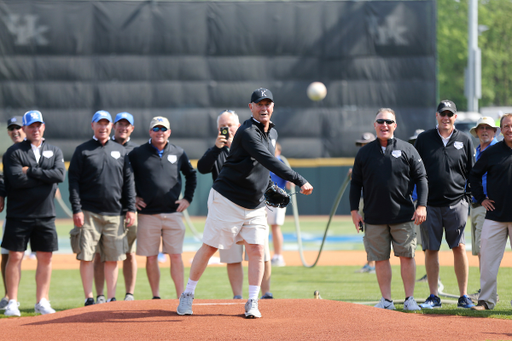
pixel 157 129
pixel 446 113
pixel 382 121
pixel 11 128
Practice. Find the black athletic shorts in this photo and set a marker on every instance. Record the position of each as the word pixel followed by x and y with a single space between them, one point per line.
pixel 40 231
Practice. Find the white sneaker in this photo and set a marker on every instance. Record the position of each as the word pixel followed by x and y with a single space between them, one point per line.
pixel 44 307
pixel 410 304
pixel 251 309
pixel 12 309
pixel 383 304
pixel 185 306
pixel 277 260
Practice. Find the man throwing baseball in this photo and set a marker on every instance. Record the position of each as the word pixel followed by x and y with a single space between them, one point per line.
pixel 212 162
pixel 236 207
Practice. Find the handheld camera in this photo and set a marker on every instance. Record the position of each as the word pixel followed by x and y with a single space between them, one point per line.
pixel 224 131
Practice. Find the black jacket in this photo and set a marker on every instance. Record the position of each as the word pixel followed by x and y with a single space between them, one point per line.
pixel 128 145
pixel 212 161
pixel 2 185
pixel 100 177
pixel 447 167
pixel 496 160
pixel 245 175
pixel 31 195
pixel 158 179
pixel 387 180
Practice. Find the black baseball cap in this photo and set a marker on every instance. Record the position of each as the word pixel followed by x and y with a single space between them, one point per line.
pixel 15 121
pixel 446 105
pixel 260 94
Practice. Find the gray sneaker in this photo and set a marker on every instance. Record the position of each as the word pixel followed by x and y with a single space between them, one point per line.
pixel 3 303
pixel 129 297
pixel 251 309
pixel 100 299
pixel 185 306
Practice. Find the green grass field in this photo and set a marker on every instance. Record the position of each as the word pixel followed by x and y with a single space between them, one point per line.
pixel 334 283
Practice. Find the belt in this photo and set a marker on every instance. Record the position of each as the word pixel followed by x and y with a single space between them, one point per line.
pixel 475 205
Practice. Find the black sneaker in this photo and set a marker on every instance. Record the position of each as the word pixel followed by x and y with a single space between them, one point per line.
pixel 432 301
pixel 268 295
pixel 156 298
pixel 113 299
pixel 465 302
pixel 89 301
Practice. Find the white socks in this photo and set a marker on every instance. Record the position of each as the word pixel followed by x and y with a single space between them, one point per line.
pixel 254 290
pixel 191 286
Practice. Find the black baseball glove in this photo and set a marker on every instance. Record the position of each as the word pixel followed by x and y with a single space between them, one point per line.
pixel 276 197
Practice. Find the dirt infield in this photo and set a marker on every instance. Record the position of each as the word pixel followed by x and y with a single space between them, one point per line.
pixel 283 319
pixel 223 320
pixel 334 258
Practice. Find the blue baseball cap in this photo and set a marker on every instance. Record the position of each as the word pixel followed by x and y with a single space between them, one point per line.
pixel 124 116
pixel 32 116
pixel 101 115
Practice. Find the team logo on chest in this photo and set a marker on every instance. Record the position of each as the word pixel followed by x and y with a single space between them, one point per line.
pixel 172 158
pixel 115 154
pixel 458 145
pixel 396 153
pixel 47 153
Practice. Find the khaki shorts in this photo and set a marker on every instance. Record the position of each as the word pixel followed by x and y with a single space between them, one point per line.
pixel 276 215
pixel 131 234
pixel 105 231
pixel 477 222
pixel 378 240
pixel 236 253
pixel 228 223
pixel 165 228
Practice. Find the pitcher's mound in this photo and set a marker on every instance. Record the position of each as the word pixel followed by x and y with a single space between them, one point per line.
pixel 306 319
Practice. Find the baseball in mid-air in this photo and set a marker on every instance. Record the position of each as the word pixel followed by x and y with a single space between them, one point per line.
pixel 317 91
